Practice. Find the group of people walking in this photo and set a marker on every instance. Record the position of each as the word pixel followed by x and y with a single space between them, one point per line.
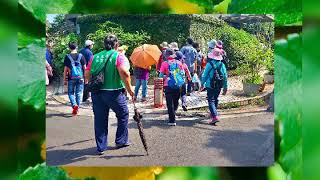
pixel 181 69
pixel 178 68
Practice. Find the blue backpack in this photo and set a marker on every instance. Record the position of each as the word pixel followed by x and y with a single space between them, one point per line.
pixel 176 77
pixel 76 67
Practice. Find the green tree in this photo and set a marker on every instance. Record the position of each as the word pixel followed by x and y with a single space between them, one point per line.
pixel 132 40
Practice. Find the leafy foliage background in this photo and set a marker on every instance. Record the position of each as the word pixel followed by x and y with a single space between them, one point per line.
pixel 238 43
pixel 288 77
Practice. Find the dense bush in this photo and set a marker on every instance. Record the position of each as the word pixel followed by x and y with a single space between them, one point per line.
pixel 160 27
pixel 254 63
pixel 134 30
pixel 177 28
pixel 270 65
pixel 264 31
pixel 236 42
pixel 132 40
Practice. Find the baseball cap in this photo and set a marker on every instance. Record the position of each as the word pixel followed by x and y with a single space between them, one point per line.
pixel 89 42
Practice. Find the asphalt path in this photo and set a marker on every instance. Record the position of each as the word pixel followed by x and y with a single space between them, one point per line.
pixel 240 139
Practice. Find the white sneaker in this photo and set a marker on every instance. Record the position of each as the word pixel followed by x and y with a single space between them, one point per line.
pixel 172 124
pixel 100 153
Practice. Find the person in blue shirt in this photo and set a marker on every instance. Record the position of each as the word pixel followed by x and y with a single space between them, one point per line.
pixel 214 63
pixel 86 51
pixel 88 55
pixel 190 58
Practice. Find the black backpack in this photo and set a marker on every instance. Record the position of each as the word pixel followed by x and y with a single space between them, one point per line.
pixel 217 80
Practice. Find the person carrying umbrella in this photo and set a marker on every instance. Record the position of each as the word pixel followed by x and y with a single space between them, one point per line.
pixel 143 57
pixel 174 77
pixel 142 76
pixel 111 95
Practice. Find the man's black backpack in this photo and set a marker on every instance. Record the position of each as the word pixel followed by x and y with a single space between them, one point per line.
pixel 217 80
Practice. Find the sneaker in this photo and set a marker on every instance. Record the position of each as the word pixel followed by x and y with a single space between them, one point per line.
pixel 172 124
pixel 184 108
pixel 214 121
pixel 100 153
pixel 123 145
pixel 75 110
pixel 143 99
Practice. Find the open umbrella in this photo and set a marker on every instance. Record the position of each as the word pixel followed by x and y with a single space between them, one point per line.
pixel 145 56
pixel 137 117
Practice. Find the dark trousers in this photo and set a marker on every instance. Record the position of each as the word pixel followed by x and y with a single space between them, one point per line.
pixel 172 100
pixel 190 84
pixel 85 93
pixel 102 102
pixel 213 95
pixel 184 95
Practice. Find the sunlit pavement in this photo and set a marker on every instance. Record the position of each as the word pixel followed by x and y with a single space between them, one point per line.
pixel 243 137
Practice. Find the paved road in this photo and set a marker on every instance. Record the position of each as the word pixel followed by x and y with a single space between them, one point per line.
pixel 240 139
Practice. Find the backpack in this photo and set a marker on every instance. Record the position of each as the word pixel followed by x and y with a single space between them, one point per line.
pixel 76 67
pixel 176 76
pixel 217 79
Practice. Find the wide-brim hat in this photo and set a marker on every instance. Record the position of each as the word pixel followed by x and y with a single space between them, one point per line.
pixel 212 44
pixel 219 46
pixel 215 54
pixel 174 46
pixel 164 44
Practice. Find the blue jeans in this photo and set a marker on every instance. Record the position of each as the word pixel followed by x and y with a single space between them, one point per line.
pixel 213 95
pixel 102 102
pixel 172 100
pixel 184 95
pixel 75 91
pixel 140 82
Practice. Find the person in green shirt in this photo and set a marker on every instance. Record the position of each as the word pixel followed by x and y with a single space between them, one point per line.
pixel 111 95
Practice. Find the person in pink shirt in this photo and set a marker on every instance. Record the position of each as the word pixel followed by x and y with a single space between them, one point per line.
pixel 171 71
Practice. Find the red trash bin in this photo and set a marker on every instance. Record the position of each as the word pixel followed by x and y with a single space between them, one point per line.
pixel 158 92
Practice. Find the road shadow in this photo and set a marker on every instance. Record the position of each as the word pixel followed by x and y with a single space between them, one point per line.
pixel 58 114
pixel 163 124
pixel 67 156
pixel 69 144
pixel 122 156
pixel 227 142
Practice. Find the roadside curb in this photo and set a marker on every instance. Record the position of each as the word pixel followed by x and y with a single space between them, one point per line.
pixel 224 105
